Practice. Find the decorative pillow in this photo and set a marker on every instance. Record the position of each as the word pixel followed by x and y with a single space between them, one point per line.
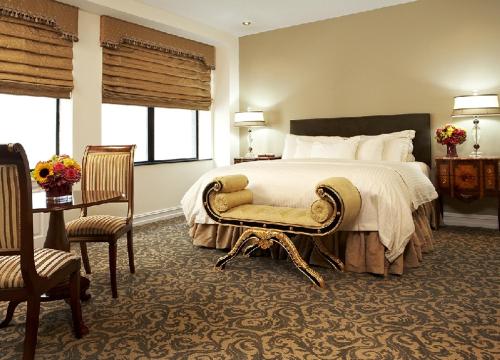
pixel 336 150
pixel 370 148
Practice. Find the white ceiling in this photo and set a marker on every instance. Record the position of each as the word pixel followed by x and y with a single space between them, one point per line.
pixel 227 15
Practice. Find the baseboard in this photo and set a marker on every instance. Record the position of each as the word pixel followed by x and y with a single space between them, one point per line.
pixel 157 215
pixel 471 220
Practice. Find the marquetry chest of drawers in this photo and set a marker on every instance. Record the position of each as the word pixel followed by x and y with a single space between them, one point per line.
pixel 468 178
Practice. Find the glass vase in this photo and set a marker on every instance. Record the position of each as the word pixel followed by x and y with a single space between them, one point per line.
pixel 451 150
pixel 59 194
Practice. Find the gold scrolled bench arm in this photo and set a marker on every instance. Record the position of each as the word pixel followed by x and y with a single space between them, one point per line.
pixel 228 202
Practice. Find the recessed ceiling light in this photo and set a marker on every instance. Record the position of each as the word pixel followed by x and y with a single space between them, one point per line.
pixel 246 23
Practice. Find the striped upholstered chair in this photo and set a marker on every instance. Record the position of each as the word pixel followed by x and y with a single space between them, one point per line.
pixel 106 168
pixel 27 273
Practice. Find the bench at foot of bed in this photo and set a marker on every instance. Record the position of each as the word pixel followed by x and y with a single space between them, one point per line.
pixel 227 201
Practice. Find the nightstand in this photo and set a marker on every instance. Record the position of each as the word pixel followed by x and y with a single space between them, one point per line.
pixel 257 158
pixel 468 179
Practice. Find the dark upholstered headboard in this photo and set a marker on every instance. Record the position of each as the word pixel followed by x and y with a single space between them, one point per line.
pixel 372 125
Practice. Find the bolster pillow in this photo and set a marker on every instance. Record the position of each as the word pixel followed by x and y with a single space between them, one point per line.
pixel 231 183
pixel 321 210
pixel 225 201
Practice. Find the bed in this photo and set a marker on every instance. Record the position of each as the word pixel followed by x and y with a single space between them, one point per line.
pixel 393 230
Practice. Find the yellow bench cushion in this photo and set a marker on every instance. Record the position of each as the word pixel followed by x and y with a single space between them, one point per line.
pixel 272 215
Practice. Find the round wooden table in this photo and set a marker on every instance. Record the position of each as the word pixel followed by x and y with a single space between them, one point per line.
pixel 56 234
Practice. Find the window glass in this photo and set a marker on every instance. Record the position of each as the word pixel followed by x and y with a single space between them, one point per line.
pixel 204 135
pixel 125 125
pixel 175 134
pixel 30 121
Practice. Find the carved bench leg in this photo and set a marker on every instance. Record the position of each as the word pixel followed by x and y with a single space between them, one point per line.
pixel 265 238
pixel 250 249
pixel 334 261
pixel 247 235
pixel 287 244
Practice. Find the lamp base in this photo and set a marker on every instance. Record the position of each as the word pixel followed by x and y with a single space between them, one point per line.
pixel 476 154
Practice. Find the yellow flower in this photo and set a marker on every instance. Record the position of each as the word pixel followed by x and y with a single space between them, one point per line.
pixel 43 170
pixel 69 162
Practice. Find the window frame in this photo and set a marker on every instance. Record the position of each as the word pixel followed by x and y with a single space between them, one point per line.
pixel 151 143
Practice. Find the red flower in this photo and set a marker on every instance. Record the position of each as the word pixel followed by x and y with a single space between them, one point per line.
pixel 72 175
pixel 58 167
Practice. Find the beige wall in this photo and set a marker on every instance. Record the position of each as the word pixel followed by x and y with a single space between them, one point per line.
pixel 157 187
pixel 408 58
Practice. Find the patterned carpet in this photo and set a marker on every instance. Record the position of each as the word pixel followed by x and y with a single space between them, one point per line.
pixel 177 307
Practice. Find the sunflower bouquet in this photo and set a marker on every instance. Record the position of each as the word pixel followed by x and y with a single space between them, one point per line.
pixel 60 171
pixel 450 135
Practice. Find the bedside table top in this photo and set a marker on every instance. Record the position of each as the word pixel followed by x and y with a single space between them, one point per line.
pixel 468 158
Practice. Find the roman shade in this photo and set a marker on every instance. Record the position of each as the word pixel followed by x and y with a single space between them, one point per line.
pixel 147 67
pixel 36 47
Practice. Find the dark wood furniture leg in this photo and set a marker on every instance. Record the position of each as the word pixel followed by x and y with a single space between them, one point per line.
pixel 85 257
pixel 57 239
pixel 112 267
pixel 130 249
pixel 10 313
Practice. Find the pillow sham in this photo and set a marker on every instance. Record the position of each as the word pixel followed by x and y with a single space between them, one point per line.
pixel 290 146
pixel 336 150
pixel 396 146
pixel 370 148
pixel 398 149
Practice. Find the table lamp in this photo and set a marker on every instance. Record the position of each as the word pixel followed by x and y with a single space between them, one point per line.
pixel 476 106
pixel 249 119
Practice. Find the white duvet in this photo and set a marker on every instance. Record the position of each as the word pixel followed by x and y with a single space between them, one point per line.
pixel 390 191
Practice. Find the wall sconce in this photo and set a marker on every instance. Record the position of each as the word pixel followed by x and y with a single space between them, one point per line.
pixel 249 119
pixel 476 106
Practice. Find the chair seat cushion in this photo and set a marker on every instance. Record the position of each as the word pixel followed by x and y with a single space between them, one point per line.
pixel 95 225
pixel 47 262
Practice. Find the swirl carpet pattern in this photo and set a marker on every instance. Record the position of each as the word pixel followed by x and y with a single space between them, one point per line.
pixel 177 307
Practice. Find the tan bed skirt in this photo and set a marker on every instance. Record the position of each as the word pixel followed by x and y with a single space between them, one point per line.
pixel 361 251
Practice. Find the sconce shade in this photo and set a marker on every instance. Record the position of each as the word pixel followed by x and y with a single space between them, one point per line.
pixel 249 119
pixel 476 105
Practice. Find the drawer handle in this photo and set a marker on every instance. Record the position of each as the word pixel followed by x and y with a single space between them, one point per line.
pixel 466 196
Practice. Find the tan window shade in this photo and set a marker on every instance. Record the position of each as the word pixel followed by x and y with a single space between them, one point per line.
pixel 142 66
pixel 36 47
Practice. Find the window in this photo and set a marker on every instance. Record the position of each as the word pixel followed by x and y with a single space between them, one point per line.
pixel 161 134
pixel 36 123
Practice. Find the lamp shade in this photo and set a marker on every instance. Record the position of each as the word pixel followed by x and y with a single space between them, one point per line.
pixel 476 105
pixel 249 119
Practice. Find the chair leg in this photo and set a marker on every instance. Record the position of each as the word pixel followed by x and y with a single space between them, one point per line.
pixel 130 249
pixel 30 338
pixel 85 257
pixel 76 308
pixel 10 313
pixel 112 267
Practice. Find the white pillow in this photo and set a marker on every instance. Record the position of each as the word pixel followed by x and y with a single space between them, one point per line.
pixel 302 149
pixel 290 147
pixel 396 146
pixel 370 148
pixel 335 150
pixel 398 149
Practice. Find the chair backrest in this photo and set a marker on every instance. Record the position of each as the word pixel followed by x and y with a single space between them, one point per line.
pixel 110 168
pixel 16 217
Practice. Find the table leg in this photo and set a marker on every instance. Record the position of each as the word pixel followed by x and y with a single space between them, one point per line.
pixel 57 239
pixel 56 234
